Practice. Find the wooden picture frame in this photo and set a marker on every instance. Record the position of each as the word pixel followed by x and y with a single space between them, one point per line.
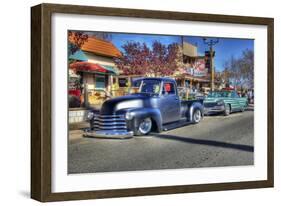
pixel 41 173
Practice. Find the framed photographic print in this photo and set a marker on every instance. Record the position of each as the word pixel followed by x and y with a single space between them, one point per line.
pixel 130 102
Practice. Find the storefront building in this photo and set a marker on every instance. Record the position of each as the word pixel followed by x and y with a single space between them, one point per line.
pixel 193 74
pixel 91 73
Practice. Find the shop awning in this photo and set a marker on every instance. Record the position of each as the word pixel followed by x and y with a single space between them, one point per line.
pixel 110 68
pixel 90 67
pixel 78 55
pixel 201 79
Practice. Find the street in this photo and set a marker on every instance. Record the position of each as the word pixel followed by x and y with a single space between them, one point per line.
pixel 216 141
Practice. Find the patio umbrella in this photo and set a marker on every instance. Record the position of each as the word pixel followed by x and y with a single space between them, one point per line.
pixel 88 67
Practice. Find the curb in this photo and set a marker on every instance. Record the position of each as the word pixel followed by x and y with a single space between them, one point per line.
pixel 78 126
pixel 75 134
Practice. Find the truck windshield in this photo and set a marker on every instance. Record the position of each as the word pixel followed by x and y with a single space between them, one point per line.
pixel 150 86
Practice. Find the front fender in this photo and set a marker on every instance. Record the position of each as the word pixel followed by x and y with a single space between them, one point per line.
pixel 231 103
pixel 139 114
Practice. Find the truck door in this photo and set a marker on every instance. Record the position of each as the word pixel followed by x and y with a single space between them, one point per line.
pixel 170 103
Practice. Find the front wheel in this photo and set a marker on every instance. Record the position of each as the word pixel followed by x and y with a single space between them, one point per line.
pixel 197 116
pixel 144 127
pixel 226 109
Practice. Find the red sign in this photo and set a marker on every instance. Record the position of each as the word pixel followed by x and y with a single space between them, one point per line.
pixel 199 68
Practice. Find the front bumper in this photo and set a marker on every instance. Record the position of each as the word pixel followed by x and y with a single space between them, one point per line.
pixel 109 134
pixel 213 110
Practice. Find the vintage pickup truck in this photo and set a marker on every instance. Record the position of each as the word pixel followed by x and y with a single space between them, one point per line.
pixel 224 102
pixel 156 107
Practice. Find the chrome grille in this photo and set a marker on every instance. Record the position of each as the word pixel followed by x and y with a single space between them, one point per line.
pixel 110 122
pixel 210 104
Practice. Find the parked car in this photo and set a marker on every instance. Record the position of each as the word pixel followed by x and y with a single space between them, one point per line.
pixel 156 107
pixel 224 102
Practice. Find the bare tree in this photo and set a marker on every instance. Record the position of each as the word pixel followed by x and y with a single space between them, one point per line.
pixel 247 68
pixel 235 73
pixel 240 71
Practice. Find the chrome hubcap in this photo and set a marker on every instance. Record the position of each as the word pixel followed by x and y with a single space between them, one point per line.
pixel 197 116
pixel 145 126
pixel 227 109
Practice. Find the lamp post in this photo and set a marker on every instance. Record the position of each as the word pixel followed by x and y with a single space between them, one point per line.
pixel 211 43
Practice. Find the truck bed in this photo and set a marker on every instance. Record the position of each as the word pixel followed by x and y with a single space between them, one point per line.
pixel 190 102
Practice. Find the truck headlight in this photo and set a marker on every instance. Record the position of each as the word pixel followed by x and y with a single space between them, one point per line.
pixel 128 116
pixel 220 103
pixel 90 115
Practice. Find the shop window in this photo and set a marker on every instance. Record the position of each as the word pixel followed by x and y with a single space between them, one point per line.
pixel 100 82
pixel 187 83
pixel 123 82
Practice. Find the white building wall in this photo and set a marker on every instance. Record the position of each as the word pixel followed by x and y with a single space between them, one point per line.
pixel 100 59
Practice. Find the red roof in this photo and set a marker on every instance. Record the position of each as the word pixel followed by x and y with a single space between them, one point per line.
pixel 101 47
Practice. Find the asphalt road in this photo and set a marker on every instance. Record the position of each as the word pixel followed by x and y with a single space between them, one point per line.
pixel 216 141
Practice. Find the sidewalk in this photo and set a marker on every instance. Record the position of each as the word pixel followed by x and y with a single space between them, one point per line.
pixel 76 130
pixel 79 125
pixel 75 134
pixel 251 107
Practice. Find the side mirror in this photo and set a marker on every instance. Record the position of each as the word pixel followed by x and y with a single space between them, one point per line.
pixel 164 93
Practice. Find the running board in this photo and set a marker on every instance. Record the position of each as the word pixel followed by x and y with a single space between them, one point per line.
pixel 175 125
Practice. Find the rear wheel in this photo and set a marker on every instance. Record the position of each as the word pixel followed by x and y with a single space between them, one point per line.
pixel 245 107
pixel 144 127
pixel 197 116
pixel 227 109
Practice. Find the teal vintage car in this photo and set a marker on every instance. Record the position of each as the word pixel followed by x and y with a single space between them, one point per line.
pixel 224 102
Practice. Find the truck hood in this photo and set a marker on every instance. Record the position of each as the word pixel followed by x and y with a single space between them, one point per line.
pixel 111 106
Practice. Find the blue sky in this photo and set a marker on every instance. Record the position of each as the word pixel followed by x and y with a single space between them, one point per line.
pixel 225 48
pixel 119 39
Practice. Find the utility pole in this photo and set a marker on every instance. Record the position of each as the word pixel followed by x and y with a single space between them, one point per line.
pixel 211 43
